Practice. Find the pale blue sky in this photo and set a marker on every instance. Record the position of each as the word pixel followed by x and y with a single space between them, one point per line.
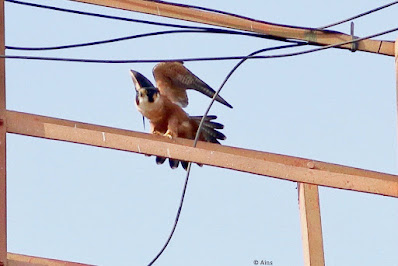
pixel 106 207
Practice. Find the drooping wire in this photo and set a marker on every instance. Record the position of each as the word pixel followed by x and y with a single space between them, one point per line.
pixel 198 134
pixel 138 20
pixel 209 29
pixel 194 7
pixel 358 16
pixel 248 57
pixel 66 10
pixel 207 112
pixel 80 60
pixel 239 16
pixel 194 29
pixel 68 46
pixel 156 33
pixel 189 29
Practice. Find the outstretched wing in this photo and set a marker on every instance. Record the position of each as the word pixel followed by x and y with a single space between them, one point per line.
pixel 173 79
pixel 140 81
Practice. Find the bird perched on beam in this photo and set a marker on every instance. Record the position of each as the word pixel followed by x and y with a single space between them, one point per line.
pixel 162 105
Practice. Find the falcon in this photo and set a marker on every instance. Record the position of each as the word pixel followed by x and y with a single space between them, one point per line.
pixel 162 105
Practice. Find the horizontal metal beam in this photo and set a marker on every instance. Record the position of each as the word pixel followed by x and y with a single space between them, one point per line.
pixel 312 35
pixel 250 161
pixel 24 260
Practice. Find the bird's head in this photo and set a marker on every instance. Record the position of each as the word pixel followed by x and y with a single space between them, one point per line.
pixel 147 95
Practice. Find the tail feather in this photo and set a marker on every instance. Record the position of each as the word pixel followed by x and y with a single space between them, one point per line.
pixel 208 122
pixel 214 125
pixel 208 118
pixel 212 135
pixel 209 134
pixel 160 160
pixel 184 165
pixel 173 163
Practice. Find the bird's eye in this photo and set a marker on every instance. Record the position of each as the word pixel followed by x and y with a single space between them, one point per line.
pixel 141 94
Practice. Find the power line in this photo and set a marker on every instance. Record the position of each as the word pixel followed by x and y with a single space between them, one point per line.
pixel 156 33
pixel 219 30
pixel 358 16
pixel 197 138
pixel 192 29
pixel 80 60
pixel 239 16
pixel 208 110
pixel 189 29
pixel 138 20
pixel 198 29
pixel 102 15
pixel 192 7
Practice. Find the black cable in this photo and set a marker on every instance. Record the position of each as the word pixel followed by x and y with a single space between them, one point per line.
pixel 219 30
pixel 102 61
pixel 149 22
pixel 204 117
pixel 193 29
pixel 229 14
pixel 198 29
pixel 239 16
pixel 206 29
pixel 358 16
pixel 103 16
pixel 198 134
pixel 68 46
pixel 192 59
pixel 209 30
pixel 145 21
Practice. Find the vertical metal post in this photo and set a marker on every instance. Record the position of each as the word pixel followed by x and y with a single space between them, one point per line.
pixel 396 69
pixel 3 196
pixel 311 228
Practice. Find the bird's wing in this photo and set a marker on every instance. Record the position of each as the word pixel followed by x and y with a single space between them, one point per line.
pixel 140 81
pixel 173 79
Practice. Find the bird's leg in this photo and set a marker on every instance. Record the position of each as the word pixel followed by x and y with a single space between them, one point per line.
pixel 172 128
pixel 154 131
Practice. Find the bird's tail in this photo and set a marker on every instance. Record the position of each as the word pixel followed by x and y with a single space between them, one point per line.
pixel 209 129
pixel 209 133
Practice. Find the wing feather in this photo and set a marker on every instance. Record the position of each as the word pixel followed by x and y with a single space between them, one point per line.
pixel 173 79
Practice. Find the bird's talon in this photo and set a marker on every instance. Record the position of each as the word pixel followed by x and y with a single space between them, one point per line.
pixel 168 135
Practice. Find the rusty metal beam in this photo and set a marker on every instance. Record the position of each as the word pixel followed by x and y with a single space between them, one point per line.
pixel 3 121
pixel 311 228
pixel 24 260
pixel 312 35
pixel 250 161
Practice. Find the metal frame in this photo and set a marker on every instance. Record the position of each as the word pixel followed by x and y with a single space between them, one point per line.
pixel 24 260
pixel 250 161
pixel 308 173
pixel 3 121
pixel 316 37
pixel 311 227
